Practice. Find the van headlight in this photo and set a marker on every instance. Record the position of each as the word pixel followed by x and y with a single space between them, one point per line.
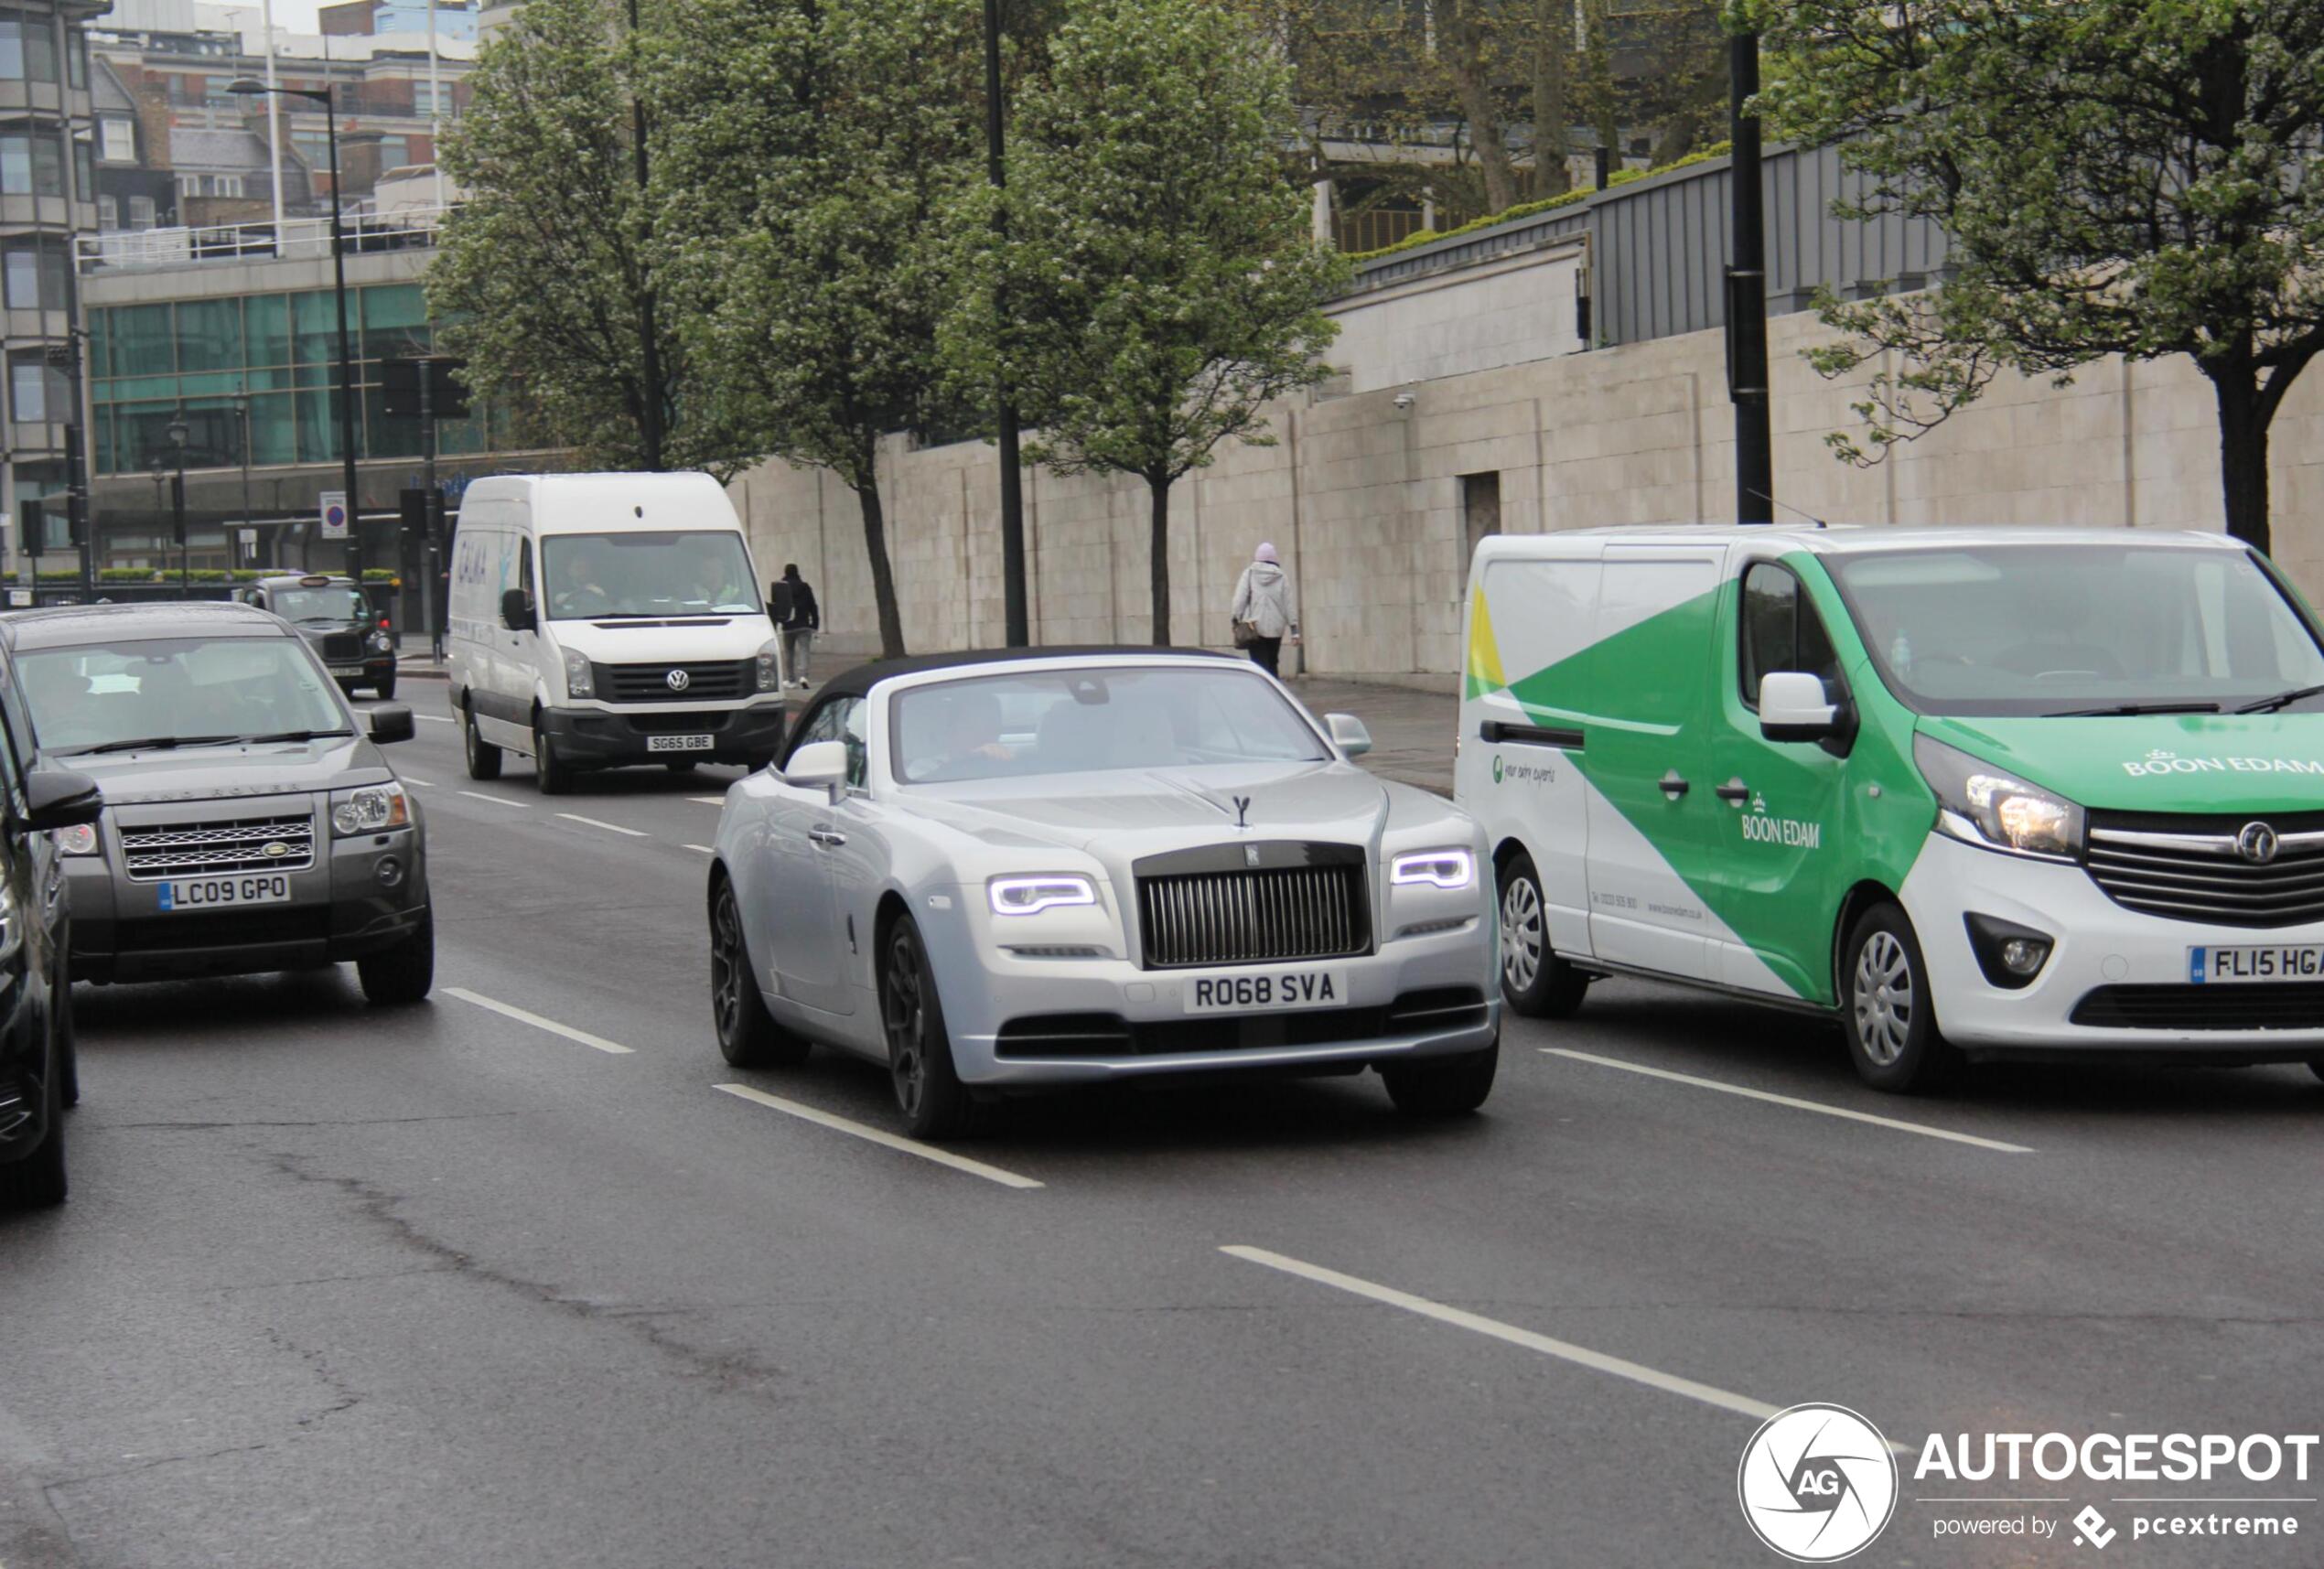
pixel 1030 896
pixel 579 680
pixel 1980 804
pixel 770 667
pixel 370 808
pixel 1435 868
pixel 80 839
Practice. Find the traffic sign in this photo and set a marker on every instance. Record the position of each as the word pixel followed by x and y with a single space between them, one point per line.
pixel 334 514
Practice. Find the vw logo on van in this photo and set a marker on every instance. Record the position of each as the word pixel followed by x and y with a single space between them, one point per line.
pixel 2257 843
pixel 678 681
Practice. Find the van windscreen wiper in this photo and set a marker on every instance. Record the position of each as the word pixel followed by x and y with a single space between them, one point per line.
pixel 150 744
pixel 2127 710
pixel 2281 700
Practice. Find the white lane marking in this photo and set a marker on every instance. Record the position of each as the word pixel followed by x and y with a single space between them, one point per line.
pixel 433 719
pixel 1564 1351
pixel 609 827
pixel 495 800
pixel 1795 1103
pixel 879 1137
pixel 507 1010
pixel 415 778
pixel 707 799
pixel 704 848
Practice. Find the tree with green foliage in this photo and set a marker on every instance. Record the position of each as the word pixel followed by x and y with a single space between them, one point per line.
pixel 1157 283
pixel 2132 178
pixel 808 145
pixel 546 279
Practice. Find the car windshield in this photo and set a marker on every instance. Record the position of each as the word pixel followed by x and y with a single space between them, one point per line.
pixel 338 603
pixel 2069 629
pixel 594 576
pixel 1078 720
pixel 173 692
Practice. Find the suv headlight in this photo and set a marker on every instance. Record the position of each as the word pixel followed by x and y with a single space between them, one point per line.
pixel 579 680
pixel 1980 804
pixel 370 808
pixel 770 667
pixel 80 839
pixel 1030 896
pixel 1436 868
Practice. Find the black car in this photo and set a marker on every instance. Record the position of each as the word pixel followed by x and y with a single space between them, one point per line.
pixel 337 623
pixel 37 1077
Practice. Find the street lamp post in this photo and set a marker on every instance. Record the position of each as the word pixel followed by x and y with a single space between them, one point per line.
pixel 177 503
pixel 242 421
pixel 324 96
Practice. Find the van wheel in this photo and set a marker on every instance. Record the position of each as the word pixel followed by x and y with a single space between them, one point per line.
pixel 484 757
pixel 748 1036
pixel 1890 1020
pixel 37 1181
pixel 1536 982
pixel 551 773
pixel 1444 1086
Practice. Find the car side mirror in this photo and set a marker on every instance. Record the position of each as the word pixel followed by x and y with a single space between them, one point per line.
pixel 1349 734
pixel 818 765
pixel 391 722
pixel 1793 707
pixel 516 610
pixel 60 797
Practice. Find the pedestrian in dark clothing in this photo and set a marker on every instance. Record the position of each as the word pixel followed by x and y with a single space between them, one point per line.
pixel 799 620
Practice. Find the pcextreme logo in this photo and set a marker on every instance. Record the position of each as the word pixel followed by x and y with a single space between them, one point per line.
pixel 1817 1483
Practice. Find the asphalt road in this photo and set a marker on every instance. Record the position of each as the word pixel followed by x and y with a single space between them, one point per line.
pixel 440 1286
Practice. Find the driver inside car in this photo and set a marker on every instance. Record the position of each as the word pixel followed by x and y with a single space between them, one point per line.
pixel 582 593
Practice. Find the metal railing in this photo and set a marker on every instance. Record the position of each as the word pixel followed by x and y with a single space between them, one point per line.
pixel 297 239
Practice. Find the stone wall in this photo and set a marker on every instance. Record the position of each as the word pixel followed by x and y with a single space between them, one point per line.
pixel 1367 502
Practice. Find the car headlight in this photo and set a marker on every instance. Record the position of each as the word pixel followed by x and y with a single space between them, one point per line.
pixel 1030 896
pixel 1437 868
pixel 1980 804
pixel 770 667
pixel 370 808
pixel 80 839
pixel 381 641
pixel 580 681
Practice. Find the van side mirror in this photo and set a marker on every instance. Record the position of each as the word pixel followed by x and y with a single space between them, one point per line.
pixel 60 797
pixel 818 765
pixel 516 610
pixel 1349 734
pixel 1793 707
pixel 391 722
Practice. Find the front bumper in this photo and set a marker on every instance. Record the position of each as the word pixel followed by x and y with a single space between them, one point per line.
pixel 340 909
pixel 1013 1019
pixel 605 737
pixel 2099 945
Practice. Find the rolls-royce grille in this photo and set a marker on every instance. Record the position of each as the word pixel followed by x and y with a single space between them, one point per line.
pixel 720 682
pixel 282 843
pixel 1255 917
pixel 2235 872
pixel 342 648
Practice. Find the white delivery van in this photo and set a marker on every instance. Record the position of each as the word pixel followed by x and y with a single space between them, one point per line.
pixel 1981 792
pixel 604 619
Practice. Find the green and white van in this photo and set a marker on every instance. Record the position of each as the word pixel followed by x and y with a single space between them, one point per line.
pixel 1981 792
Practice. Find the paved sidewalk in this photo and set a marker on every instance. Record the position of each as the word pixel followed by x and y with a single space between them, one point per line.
pixel 1412 731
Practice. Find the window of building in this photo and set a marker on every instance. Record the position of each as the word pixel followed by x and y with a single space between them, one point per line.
pixel 425 100
pixel 84 170
pixel 141 212
pixel 1479 509
pixel 33 275
pixel 27 46
pixel 32 163
pixel 77 59
pixel 120 138
pixel 108 213
pixel 35 393
pixel 209 335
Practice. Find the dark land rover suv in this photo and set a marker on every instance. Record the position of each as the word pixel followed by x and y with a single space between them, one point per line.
pixel 337 623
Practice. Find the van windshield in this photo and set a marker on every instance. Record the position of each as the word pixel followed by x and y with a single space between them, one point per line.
pixel 602 576
pixel 175 692
pixel 2069 630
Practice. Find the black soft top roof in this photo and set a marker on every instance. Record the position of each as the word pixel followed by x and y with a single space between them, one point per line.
pixel 858 682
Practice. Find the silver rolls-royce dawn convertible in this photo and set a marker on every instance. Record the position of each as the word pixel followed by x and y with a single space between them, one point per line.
pixel 992 872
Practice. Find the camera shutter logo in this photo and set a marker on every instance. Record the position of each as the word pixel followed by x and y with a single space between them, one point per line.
pixel 1817 1483
pixel 2257 843
pixel 677 680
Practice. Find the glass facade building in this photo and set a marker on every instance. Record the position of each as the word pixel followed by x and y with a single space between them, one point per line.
pixel 149 363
